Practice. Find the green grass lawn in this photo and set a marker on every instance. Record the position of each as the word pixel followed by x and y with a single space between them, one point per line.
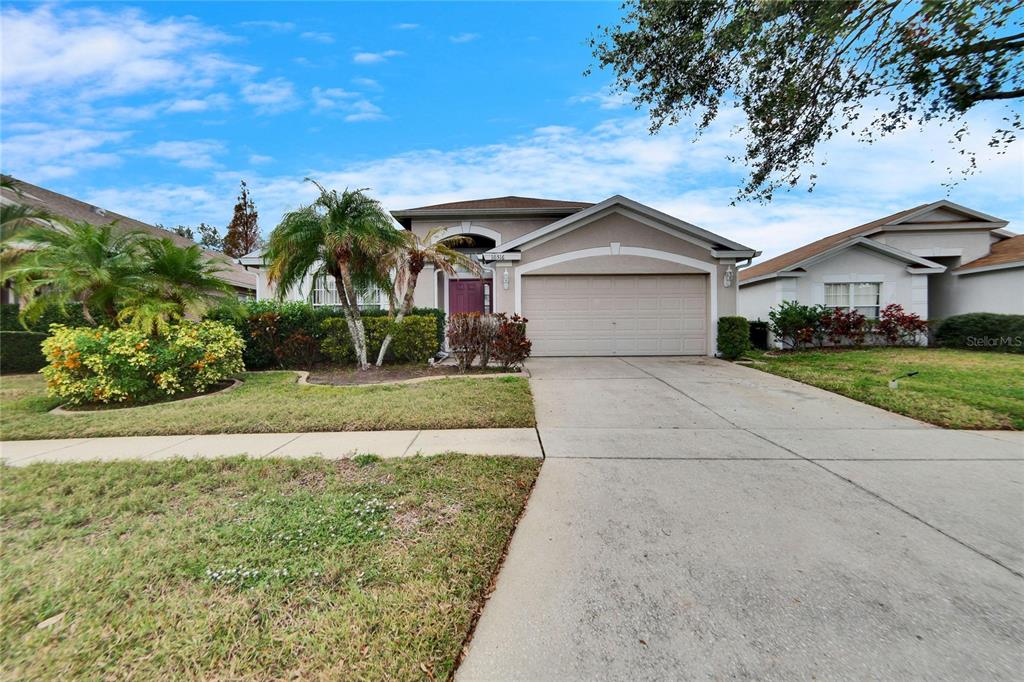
pixel 956 389
pixel 250 569
pixel 272 402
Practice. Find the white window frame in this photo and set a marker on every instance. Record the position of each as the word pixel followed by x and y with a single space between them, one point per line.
pixel 324 294
pixel 851 297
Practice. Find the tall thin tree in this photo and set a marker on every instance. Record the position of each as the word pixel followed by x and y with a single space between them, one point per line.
pixel 243 233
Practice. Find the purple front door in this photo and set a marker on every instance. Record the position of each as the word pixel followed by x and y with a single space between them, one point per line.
pixel 466 295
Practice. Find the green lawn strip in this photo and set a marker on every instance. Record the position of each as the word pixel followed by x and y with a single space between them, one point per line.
pixel 954 388
pixel 271 402
pixel 261 569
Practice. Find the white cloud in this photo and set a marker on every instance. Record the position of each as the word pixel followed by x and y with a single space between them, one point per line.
pixel 317 37
pixel 277 26
pixel 272 96
pixel 188 154
pixel 48 153
pixel 193 105
pixel 367 83
pixel 405 27
pixel 257 159
pixel 364 110
pixel 375 57
pixel 355 107
pixel 464 37
pixel 91 53
pixel 605 99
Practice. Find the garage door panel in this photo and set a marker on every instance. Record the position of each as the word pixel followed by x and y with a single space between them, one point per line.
pixel 616 314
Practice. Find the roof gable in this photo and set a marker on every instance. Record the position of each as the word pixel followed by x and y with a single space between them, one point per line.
pixel 631 209
pixel 943 214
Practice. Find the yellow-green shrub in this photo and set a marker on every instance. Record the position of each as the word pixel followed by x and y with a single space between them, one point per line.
pixel 101 365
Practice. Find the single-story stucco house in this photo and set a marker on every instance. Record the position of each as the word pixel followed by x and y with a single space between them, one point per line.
pixel 935 260
pixel 612 278
pixel 243 282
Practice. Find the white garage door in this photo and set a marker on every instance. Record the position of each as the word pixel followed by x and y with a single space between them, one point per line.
pixel 616 314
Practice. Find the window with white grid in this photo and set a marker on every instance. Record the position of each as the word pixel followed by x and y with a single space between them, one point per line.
pixel 864 297
pixel 326 294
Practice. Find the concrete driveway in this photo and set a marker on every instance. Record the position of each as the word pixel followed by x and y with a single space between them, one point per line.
pixel 698 519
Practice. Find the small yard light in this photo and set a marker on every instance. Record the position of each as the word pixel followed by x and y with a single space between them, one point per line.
pixel 895 383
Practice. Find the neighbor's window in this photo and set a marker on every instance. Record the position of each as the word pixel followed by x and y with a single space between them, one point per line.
pixel 865 297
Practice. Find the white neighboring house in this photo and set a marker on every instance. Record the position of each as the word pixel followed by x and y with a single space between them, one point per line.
pixel 936 260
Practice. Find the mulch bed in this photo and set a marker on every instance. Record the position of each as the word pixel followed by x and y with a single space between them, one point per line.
pixel 349 376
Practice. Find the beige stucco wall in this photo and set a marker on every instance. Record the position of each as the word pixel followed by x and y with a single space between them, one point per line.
pixel 755 300
pixel 509 229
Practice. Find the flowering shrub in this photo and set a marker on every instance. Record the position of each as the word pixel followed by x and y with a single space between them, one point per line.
pixel 510 346
pixel 898 327
pixel 101 365
pixel 841 326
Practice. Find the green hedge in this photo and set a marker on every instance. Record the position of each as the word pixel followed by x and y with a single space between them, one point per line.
pixel 415 340
pixel 733 337
pixel 9 321
pixel 21 352
pixel 982 331
pixel 266 326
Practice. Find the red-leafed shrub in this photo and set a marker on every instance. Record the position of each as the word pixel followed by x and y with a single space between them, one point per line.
pixel 465 338
pixel 899 327
pixel 298 350
pixel 510 345
pixel 844 326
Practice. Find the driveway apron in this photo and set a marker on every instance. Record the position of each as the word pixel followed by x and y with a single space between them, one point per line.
pixel 699 519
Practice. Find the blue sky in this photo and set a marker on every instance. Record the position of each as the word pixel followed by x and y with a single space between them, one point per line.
pixel 157 110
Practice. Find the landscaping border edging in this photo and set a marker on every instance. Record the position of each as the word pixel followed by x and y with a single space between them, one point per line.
pixel 303 378
pixel 235 383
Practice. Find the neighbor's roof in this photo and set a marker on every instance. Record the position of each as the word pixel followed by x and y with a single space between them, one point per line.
pixel 509 203
pixel 73 209
pixel 1005 252
pixel 795 256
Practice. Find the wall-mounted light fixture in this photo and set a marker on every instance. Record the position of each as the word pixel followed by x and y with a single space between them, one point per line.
pixel 729 276
pixel 504 279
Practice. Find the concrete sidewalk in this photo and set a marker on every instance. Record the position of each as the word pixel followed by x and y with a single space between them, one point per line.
pixel 334 445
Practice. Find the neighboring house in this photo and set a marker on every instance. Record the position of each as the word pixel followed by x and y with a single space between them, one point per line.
pixel 612 278
pixel 243 282
pixel 936 260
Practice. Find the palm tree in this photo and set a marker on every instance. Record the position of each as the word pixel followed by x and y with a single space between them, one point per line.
pixel 179 282
pixel 75 262
pixel 15 217
pixel 340 235
pixel 412 256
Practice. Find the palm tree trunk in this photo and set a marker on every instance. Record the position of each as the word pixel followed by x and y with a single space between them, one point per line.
pixel 407 303
pixel 351 305
pixel 350 322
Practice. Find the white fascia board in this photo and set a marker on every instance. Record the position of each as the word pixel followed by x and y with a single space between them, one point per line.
pixel 926 271
pixel 945 203
pixel 772 275
pixel 990 268
pixel 724 253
